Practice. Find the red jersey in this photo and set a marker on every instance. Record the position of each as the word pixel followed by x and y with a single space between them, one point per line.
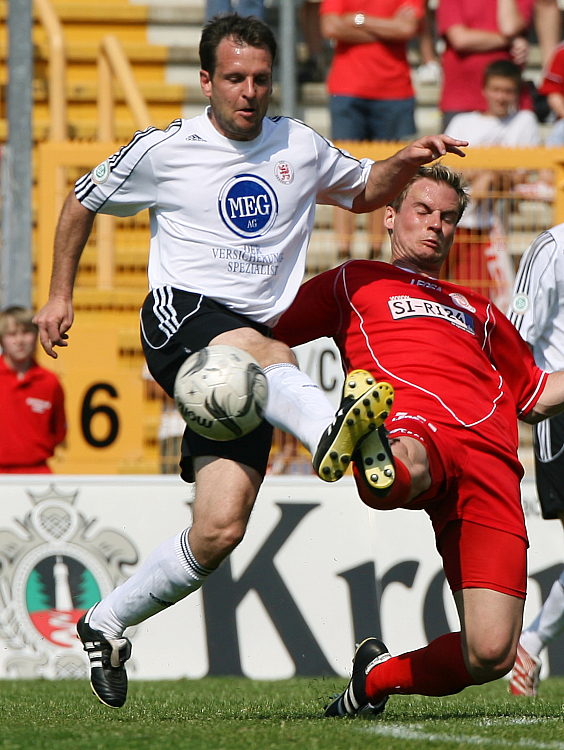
pixel 376 70
pixel 553 78
pixel 32 416
pixel 463 72
pixel 452 357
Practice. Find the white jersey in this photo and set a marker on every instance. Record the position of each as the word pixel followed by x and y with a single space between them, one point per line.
pixel 229 219
pixel 537 310
pixel 517 129
pixel 479 129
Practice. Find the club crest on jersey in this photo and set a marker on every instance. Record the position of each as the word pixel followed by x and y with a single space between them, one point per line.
pixel 413 307
pixel 101 173
pixel 248 206
pixel 284 172
pixel 520 304
pixel 461 301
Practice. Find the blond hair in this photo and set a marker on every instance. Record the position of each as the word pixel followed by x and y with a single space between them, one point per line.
pixel 438 173
pixel 21 316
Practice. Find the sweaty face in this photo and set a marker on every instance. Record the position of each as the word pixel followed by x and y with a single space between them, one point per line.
pixel 424 225
pixel 239 91
pixel 502 96
pixel 18 344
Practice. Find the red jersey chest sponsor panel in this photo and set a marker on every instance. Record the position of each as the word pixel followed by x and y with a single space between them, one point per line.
pixel 449 353
pixel 32 418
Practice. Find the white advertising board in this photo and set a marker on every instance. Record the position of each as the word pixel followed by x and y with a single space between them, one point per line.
pixel 316 572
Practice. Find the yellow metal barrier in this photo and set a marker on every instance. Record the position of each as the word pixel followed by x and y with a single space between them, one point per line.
pixel 113 424
pixel 58 130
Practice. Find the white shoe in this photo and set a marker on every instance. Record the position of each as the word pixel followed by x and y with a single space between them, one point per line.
pixel 524 677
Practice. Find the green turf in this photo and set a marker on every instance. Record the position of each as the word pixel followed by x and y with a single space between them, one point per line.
pixel 239 714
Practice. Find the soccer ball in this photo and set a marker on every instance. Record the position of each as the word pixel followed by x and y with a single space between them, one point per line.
pixel 221 392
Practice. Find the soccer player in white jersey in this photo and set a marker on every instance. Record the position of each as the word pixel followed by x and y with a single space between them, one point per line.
pixel 537 311
pixel 231 196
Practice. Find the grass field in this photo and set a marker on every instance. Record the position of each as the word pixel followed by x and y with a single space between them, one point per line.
pixel 239 714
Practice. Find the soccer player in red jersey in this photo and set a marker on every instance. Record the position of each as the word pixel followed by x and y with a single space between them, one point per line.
pixel 462 377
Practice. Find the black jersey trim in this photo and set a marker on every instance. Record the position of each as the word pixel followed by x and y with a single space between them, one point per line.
pixel 524 274
pixel 85 185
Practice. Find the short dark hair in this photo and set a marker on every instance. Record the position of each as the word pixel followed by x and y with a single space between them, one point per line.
pixel 243 30
pixel 503 69
pixel 438 173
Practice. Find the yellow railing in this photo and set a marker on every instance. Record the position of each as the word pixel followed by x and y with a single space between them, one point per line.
pixel 494 157
pixel 113 64
pixel 58 129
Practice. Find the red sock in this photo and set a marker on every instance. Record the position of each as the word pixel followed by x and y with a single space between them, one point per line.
pixel 436 669
pixel 396 497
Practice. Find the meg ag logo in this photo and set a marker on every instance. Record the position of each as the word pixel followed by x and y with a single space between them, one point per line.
pixel 248 206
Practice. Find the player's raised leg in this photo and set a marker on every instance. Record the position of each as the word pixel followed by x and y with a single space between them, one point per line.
pixel 298 406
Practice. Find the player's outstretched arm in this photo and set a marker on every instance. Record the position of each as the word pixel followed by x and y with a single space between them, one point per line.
pixel 56 317
pixel 389 177
pixel 551 400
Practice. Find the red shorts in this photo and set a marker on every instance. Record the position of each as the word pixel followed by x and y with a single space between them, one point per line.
pixel 476 556
pixel 475 476
pixel 474 503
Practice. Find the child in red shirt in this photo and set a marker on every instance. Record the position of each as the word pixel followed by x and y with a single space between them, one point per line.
pixel 32 410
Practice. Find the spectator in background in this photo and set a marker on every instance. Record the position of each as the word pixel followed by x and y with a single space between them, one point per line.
pixel 314 68
pixel 473 260
pixel 476 33
pixel 548 23
pixel 537 311
pixel 242 7
pixel 429 70
pixel 369 83
pixel 552 87
pixel 32 411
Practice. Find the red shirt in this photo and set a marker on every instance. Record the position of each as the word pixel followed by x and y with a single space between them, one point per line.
pixel 32 416
pixel 377 70
pixel 553 79
pixel 463 72
pixel 450 354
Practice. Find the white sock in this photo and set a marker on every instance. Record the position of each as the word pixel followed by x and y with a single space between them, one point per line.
pixel 169 574
pixel 548 623
pixel 296 404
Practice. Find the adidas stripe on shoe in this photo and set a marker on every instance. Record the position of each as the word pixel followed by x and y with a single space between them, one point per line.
pixel 108 678
pixel 524 677
pixel 353 701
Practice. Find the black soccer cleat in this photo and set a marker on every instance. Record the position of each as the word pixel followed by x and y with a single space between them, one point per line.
pixel 365 404
pixel 108 678
pixel 353 701
pixel 375 462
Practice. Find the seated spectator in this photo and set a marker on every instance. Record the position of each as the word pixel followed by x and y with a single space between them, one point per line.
pixel 552 87
pixel 32 411
pixel 476 33
pixel 473 260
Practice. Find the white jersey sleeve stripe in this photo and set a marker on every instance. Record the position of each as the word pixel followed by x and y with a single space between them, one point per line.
pixel 142 139
pixel 525 272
